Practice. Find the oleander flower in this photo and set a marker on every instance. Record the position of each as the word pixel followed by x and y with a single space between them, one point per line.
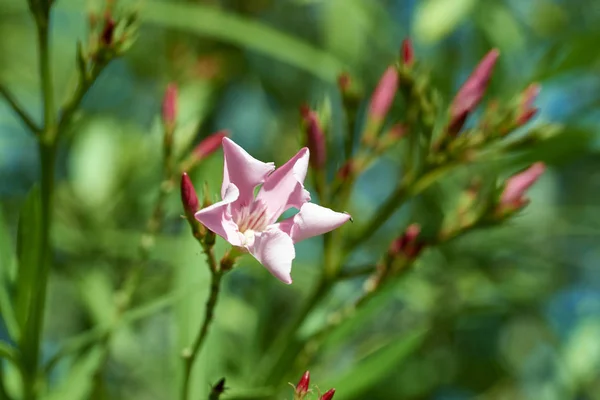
pixel 251 222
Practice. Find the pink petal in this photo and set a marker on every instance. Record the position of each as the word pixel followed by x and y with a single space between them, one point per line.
pixel 217 217
pixel 243 170
pixel 312 220
pixel 275 250
pixel 517 184
pixel 284 188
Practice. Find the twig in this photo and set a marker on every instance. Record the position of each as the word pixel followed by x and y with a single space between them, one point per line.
pixel 20 111
pixel 191 353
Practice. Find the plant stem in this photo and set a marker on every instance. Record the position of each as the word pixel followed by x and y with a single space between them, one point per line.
pixel 47 153
pixel 20 111
pixel 190 354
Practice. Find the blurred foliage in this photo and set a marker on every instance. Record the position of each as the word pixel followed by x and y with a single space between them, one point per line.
pixel 511 312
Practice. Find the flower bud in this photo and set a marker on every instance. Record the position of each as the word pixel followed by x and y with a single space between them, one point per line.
pixel 328 395
pixel 408 53
pixel 209 145
pixel 302 386
pixel 471 92
pixel 344 82
pixel 408 244
pixel 512 196
pixel 189 199
pixel 526 108
pixel 314 137
pixel 384 94
pixel 346 170
pixel 108 31
pixel 169 106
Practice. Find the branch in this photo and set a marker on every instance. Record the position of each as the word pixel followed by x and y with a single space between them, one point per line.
pixel 20 111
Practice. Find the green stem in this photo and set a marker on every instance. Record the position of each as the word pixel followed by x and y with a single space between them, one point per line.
pixel 19 110
pixel 393 202
pixel 47 152
pixel 85 82
pixel 190 354
pixel 403 191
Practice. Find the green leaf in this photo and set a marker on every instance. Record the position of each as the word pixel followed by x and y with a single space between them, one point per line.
pixel 234 29
pixel 435 19
pixel 10 353
pixel 30 269
pixel 79 382
pixel 373 368
pixel 7 263
pixel 98 293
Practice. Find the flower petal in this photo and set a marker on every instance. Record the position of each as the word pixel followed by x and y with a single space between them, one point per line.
pixel 217 217
pixel 243 170
pixel 284 188
pixel 312 220
pixel 275 250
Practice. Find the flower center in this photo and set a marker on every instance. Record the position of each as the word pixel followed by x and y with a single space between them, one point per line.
pixel 252 217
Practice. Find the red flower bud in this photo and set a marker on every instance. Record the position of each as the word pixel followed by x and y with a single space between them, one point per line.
pixel 512 196
pixel 344 82
pixel 169 105
pixel 408 53
pixel 471 92
pixel 328 395
pixel 106 37
pixel 526 109
pixel 302 386
pixel 407 244
pixel 384 94
pixel 209 144
pixel 346 170
pixel 189 199
pixel 314 137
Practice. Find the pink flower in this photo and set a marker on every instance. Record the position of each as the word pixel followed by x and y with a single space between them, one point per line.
pixel 209 144
pixel 315 138
pixel 513 194
pixel 302 386
pixel 250 221
pixel 526 108
pixel 384 94
pixel 328 395
pixel 189 198
pixel 471 92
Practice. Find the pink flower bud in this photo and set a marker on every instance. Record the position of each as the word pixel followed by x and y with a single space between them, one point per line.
pixel 328 395
pixel 471 92
pixel 302 386
pixel 407 244
pixel 408 53
pixel 513 194
pixel 209 145
pixel 189 199
pixel 169 105
pixel 384 94
pixel 314 137
pixel 526 109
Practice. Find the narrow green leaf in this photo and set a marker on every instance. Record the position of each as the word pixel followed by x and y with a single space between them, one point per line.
pixel 435 19
pixel 372 369
pixel 79 382
pixel 7 263
pixel 30 266
pixel 10 353
pixel 228 27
